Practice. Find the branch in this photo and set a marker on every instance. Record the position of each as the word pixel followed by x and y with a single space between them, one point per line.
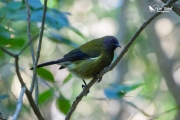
pixel 19 104
pixel 107 69
pixel 28 11
pixel 36 92
pixel 137 108
pixel 80 96
pixel 152 117
pixel 32 49
pixel 8 52
pixel 165 112
pixel 16 56
pixel 29 43
pixel 39 47
pixel 28 94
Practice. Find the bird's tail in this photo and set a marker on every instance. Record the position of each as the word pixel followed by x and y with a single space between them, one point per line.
pixel 48 63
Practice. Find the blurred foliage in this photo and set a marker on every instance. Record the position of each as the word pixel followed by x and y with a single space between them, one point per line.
pixel 63 104
pixel 45 96
pixel 69 77
pixel 69 24
pixel 118 91
pixel 3 96
pixel 13 36
pixel 45 74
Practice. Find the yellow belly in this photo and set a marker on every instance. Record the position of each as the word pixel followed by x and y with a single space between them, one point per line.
pixel 90 67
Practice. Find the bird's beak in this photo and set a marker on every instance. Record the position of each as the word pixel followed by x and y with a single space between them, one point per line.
pixel 118 45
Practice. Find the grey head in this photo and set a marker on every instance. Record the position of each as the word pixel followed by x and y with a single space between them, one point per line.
pixel 111 43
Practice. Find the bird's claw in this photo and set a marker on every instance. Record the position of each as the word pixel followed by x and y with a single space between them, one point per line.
pixel 99 80
pixel 84 87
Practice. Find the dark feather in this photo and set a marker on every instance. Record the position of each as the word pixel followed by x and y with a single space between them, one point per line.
pixel 62 67
pixel 75 55
pixel 48 63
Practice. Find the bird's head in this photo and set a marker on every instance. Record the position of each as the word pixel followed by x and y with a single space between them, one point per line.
pixel 111 43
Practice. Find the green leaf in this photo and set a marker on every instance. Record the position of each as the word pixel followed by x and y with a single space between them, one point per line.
pixel 67 78
pixel 13 5
pixel 45 74
pixel 63 104
pixel 45 96
pixel 36 4
pixel 55 3
pixel 36 15
pixel 1 56
pixel 12 9
pixel 17 42
pixel 57 19
pixel 4 32
pixel 77 32
pixel 12 42
pixel 117 91
pixel 3 96
pixel 128 88
pixel 54 18
pixel 60 39
pixel 18 15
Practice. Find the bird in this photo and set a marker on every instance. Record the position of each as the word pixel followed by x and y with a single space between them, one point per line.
pixel 89 59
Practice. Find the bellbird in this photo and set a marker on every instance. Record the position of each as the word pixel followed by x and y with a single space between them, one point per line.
pixel 89 59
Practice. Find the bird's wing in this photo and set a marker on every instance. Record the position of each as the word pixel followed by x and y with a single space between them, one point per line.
pixel 77 54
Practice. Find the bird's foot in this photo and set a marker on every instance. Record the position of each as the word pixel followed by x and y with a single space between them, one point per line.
pixel 99 80
pixel 84 87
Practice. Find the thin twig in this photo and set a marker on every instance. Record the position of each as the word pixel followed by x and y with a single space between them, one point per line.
pixel 151 117
pixel 29 43
pixel 28 94
pixel 8 52
pixel 28 11
pixel 80 96
pixel 34 78
pixel 168 111
pixel 19 104
pixel 14 55
pixel 136 107
pixel 36 92
pixel 39 47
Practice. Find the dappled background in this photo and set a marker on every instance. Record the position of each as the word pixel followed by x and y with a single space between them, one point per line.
pixel 144 85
